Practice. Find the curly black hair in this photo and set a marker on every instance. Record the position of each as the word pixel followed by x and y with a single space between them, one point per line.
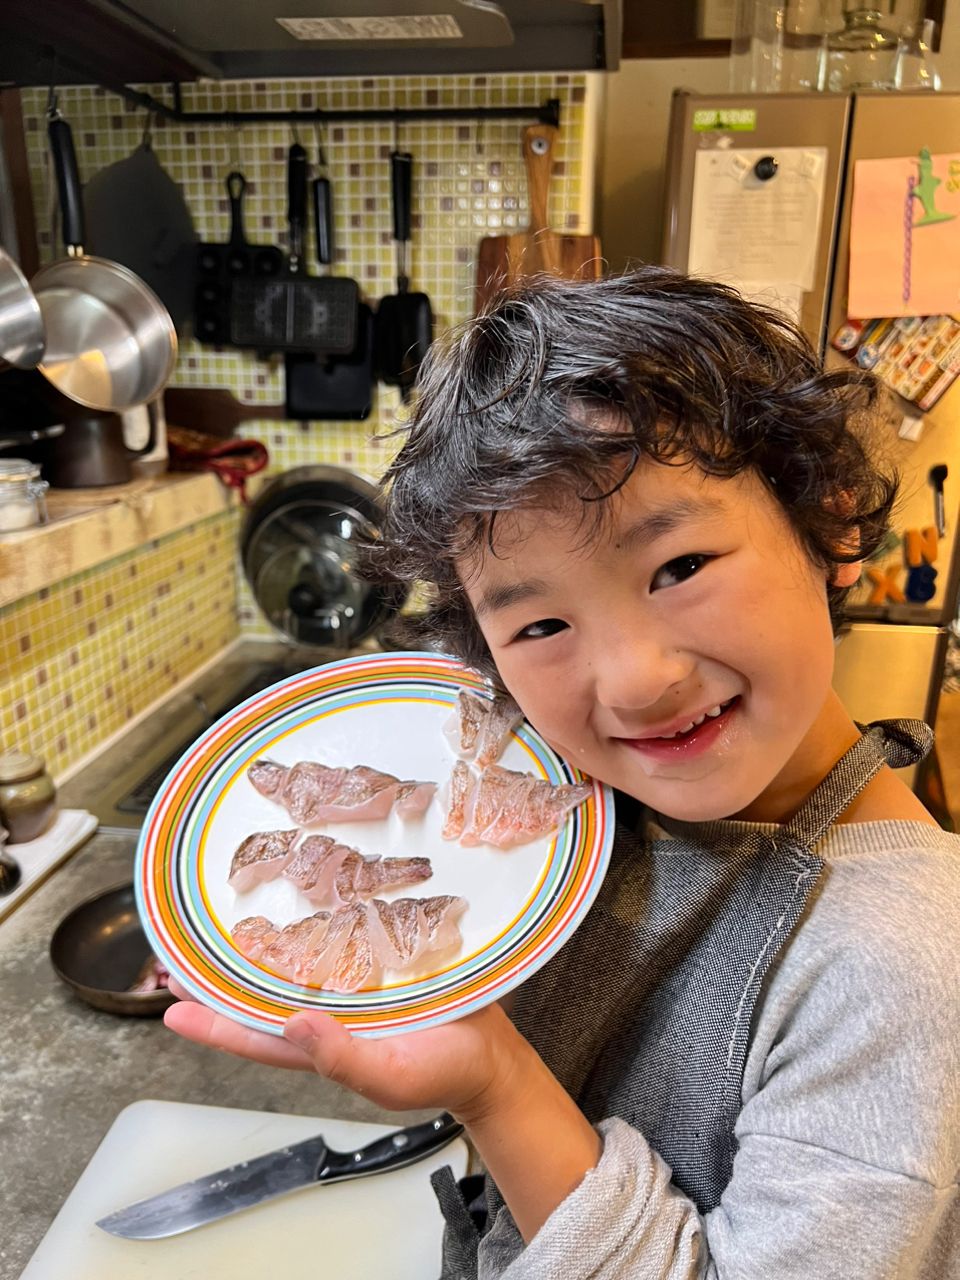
pixel 508 412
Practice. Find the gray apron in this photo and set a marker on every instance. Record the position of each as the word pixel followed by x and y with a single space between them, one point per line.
pixel 646 1012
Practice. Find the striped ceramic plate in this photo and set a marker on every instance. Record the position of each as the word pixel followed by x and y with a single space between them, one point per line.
pixel 387 711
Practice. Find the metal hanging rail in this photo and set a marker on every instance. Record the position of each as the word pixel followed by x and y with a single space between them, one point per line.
pixel 546 113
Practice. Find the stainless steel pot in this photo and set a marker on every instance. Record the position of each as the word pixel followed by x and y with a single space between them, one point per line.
pixel 110 341
pixel 21 320
pixel 299 547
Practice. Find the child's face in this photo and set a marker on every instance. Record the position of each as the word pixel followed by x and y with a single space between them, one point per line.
pixel 695 594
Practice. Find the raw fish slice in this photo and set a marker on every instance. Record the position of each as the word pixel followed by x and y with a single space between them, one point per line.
pixel 313 792
pixel 402 925
pixel 462 729
pixel 442 916
pixel 413 798
pixel 267 777
pixel 262 856
pixel 294 942
pixel 314 868
pixel 513 808
pixel 461 788
pixel 503 716
pixel 252 934
pixel 486 802
pixel 319 965
pixel 360 877
pixel 357 965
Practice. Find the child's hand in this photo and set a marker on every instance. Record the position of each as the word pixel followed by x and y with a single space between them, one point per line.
pixel 460 1067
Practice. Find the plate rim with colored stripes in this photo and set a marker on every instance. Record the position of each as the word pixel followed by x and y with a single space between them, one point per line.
pixel 186 935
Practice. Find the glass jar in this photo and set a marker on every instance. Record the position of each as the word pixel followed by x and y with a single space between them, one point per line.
pixel 28 798
pixel 862 55
pixel 22 500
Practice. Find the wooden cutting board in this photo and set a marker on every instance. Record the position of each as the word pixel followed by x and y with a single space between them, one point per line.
pixel 385 1225
pixel 502 260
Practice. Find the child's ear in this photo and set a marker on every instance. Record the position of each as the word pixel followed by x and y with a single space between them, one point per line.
pixel 846 575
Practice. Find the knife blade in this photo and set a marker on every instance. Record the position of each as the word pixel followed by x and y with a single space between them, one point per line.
pixel 290 1168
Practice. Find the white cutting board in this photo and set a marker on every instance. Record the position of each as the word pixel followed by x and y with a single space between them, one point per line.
pixel 385 1225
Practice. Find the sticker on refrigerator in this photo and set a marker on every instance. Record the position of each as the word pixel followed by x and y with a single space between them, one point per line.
pixel 755 220
pixel 905 236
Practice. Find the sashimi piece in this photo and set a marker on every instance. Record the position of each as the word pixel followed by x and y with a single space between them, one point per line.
pixel 313 868
pixel 313 792
pixel 442 915
pixel 262 856
pixel 401 923
pixel 267 776
pixel 323 965
pixel 252 934
pixel 462 729
pixel 506 808
pixel 458 795
pixel 360 877
pixel 413 798
pixel 481 727
pixel 294 943
pixel 350 948
pixel 503 716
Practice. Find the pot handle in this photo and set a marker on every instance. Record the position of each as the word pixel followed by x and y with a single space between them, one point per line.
pixel 68 185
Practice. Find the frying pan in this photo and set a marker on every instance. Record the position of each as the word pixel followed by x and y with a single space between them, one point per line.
pixel 111 344
pixel 21 322
pixel 404 324
pixel 99 949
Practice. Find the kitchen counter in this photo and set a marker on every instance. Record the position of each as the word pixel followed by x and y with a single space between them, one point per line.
pixel 67 1070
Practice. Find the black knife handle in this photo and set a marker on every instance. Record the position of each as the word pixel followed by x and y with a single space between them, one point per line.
pixel 296 203
pixel 401 183
pixel 402 1147
pixel 323 220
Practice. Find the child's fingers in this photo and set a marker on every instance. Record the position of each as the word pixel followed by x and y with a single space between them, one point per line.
pixel 201 1025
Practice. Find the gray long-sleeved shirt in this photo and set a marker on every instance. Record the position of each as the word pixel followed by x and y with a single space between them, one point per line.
pixel 849 1137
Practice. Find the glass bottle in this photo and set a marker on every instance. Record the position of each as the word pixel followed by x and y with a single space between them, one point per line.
pixel 775 45
pixel 914 66
pixel 862 54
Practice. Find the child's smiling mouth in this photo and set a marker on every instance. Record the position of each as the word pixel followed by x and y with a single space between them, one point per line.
pixel 688 739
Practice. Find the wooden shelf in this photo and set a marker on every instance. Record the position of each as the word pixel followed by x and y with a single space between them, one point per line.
pixel 88 526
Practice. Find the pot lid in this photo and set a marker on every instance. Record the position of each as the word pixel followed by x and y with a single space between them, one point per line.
pixel 17 766
pixel 300 548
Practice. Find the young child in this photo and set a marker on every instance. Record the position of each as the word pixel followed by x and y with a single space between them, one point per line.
pixel 641 503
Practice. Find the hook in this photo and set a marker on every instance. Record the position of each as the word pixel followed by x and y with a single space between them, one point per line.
pixel 147 140
pixel 478 136
pixel 321 156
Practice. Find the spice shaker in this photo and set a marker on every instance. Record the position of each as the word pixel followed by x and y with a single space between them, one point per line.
pixel 28 798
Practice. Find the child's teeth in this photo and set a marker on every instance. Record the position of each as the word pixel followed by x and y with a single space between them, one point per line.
pixel 714 711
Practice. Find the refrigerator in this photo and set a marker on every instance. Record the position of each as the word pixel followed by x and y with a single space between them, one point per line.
pixel 771 193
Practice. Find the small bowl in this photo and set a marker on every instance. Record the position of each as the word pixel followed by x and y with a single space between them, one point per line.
pixel 99 950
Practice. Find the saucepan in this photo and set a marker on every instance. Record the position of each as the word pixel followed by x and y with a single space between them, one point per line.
pixel 110 342
pixel 21 320
pixel 100 951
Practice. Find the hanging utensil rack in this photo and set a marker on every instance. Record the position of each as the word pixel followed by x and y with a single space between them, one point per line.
pixel 547 112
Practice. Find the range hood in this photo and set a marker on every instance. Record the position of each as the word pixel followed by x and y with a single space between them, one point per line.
pixel 130 41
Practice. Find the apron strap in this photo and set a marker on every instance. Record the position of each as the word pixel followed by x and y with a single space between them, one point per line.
pixel 897 743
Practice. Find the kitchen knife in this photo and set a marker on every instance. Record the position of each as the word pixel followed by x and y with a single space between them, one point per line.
pixel 301 1164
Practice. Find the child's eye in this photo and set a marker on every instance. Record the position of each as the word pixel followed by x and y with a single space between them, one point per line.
pixel 539 630
pixel 674 571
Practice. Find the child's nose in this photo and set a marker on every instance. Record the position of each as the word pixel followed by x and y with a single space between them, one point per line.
pixel 636 668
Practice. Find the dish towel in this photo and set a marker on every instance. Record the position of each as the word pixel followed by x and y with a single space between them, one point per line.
pixel 37 858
